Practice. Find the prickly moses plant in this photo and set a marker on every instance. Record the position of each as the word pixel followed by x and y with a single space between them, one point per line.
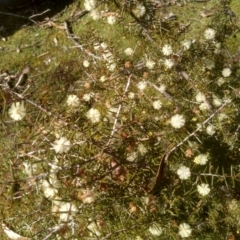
pixel 120 120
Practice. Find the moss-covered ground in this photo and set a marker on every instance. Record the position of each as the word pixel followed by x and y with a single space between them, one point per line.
pixel 120 174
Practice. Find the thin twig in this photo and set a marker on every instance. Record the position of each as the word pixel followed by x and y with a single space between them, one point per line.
pixel 167 95
pixel 18 16
pixel 55 230
pixel 118 111
pixel 39 14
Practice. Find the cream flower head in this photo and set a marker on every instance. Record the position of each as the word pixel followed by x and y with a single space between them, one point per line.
pixel 200 97
pixel 139 10
pixel 86 63
pixel 89 5
pixel 177 121
pixel 150 63
pixel 167 50
pixel 226 72
pixel 186 44
pixel 157 104
pixel 87 196
pixel 155 229
pixel 67 210
pixel 73 100
pixel 48 190
pixel 111 19
pixel 168 63
pixel 17 111
pixel 203 189
pixel 201 159
pixel 210 130
pixel 93 115
pixel 142 85
pixel 94 228
pixel 183 172
pixel 61 145
pixel 209 34
pixel 129 51
pixel 184 230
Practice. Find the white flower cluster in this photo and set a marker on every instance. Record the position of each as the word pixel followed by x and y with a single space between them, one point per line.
pixel 48 190
pixel 73 101
pixel 86 63
pixel 209 34
pixel 65 210
pixel 187 44
pixel 184 230
pixel 142 85
pixel 155 229
pixel 167 50
pixel 149 63
pixel 139 10
pixel 184 172
pixel 129 51
pixel 87 96
pixel 200 98
pixel 87 196
pixel 168 63
pixel 217 101
pixel 17 111
pixel 201 159
pixel 95 14
pixel 61 145
pixel 203 189
pixel 226 72
pixel 210 130
pixel 89 5
pixel 29 168
pixel 177 121
pixel 111 19
pixel 142 150
pixel 95 229
pixel 93 115
pixel 131 157
pixel 157 104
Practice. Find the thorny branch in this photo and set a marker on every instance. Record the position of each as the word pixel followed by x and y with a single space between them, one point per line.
pixel 118 111
pixel 18 16
pixel 73 38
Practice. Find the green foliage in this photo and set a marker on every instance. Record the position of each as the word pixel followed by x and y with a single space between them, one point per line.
pixel 120 168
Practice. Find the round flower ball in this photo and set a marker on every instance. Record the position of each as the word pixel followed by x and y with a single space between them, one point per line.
pixel 129 51
pixel 167 50
pixel 157 104
pixel 203 189
pixel 155 229
pixel 184 173
pixel 61 145
pixel 73 100
pixel 209 34
pixel 184 230
pixel 201 159
pixel 226 72
pixel 17 111
pixel 93 115
pixel 177 121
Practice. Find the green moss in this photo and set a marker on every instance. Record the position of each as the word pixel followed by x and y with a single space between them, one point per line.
pixel 125 204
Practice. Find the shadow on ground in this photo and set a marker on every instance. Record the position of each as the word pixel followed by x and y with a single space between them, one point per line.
pixel 11 20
